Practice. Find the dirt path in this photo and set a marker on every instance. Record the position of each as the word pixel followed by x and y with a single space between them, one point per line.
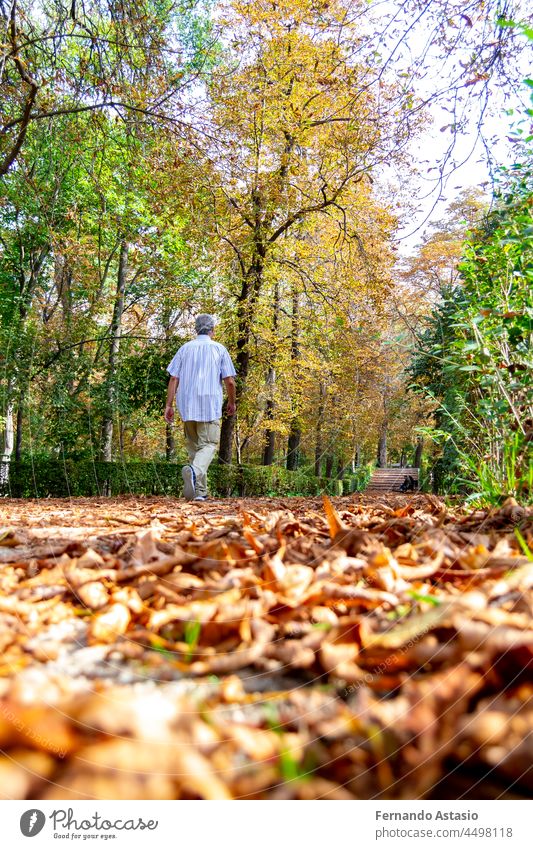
pixel 265 648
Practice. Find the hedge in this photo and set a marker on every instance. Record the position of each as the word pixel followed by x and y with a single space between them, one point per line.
pixel 357 481
pixel 40 478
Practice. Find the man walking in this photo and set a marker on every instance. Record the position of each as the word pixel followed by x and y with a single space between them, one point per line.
pixel 196 375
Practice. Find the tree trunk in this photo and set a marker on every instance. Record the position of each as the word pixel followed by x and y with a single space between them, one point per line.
pixel 27 284
pixel 319 423
pixel 116 329
pixel 417 462
pixel 252 282
pixel 318 454
pixel 383 430
pixel 7 445
pixel 170 442
pixel 20 419
pixel 295 434
pixel 293 446
pixel 269 442
pixel 270 438
pixel 63 282
pixel 226 437
pixel 382 446
pixel 238 443
pixel 121 436
pixel 355 459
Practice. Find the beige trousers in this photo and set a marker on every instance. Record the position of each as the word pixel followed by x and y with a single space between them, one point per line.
pixel 201 440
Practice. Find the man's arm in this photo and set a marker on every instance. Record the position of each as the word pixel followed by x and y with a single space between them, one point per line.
pixel 229 383
pixel 171 394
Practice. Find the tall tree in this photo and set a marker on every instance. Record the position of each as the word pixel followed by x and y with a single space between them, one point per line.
pixel 294 126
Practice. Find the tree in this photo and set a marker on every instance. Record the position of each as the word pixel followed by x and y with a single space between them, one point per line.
pixel 434 267
pixel 476 357
pixel 93 263
pixel 294 127
pixel 130 59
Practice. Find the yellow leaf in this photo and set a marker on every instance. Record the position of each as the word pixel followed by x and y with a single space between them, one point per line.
pixel 334 520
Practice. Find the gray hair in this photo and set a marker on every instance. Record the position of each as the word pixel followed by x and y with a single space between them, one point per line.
pixel 204 323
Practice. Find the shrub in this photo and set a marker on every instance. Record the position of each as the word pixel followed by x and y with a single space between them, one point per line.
pixel 476 357
pixel 51 477
pixel 57 478
pixel 358 480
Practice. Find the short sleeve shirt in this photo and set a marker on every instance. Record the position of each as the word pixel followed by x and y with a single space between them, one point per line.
pixel 200 365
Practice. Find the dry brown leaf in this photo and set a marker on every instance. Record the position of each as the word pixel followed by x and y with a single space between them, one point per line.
pixel 332 654
pixel 258 610
pixel 22 773
pixel 413 629
pixel 292 653
pixel 93 595
pixel 38 727
pixel 10 538
pixel 292 580
pixel 107 626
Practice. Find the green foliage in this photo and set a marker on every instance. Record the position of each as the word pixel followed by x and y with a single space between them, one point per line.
pixel 476 357
pixel 523 544
pixel 429 599
pixel 69 478
pixel 134 56
pixel 143 374
pixel 43 477
pixel 191 635
pixel 246 480
pixel 358 480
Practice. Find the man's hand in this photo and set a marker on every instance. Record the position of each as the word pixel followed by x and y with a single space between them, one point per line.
pixel 173 384
pixel 231 406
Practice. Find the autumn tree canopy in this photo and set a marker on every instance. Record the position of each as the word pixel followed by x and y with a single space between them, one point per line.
pixel 161 159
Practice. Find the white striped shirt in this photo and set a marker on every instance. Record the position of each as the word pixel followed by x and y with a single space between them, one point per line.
pixel 200 366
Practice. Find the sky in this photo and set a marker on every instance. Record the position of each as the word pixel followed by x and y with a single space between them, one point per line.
pixel 473 170
pixel 428 189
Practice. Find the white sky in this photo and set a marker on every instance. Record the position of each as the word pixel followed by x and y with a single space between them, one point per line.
pixel 473 171
pixel 423 195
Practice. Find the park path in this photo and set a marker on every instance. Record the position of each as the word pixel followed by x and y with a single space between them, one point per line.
pixel 364 647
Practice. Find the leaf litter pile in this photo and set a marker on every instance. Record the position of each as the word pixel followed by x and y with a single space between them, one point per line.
pixel 372 648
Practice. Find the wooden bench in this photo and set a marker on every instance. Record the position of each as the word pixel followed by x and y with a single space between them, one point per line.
pixel 390 480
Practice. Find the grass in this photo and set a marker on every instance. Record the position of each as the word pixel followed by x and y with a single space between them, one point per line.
pixel 430 599
pixel 290 767
pixel 523 544
pixel 399 612
pixel 191 635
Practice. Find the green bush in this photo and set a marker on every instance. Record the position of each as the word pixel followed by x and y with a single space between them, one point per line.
pixel 476 356
pixel 50 477
pixel 358 480
pixel 262 480
pixel 426 476
pixel 61 479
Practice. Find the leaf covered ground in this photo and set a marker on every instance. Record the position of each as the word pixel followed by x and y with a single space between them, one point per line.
pixel 276 648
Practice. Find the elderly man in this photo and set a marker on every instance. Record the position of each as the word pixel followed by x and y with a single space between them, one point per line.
pixel 196 375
